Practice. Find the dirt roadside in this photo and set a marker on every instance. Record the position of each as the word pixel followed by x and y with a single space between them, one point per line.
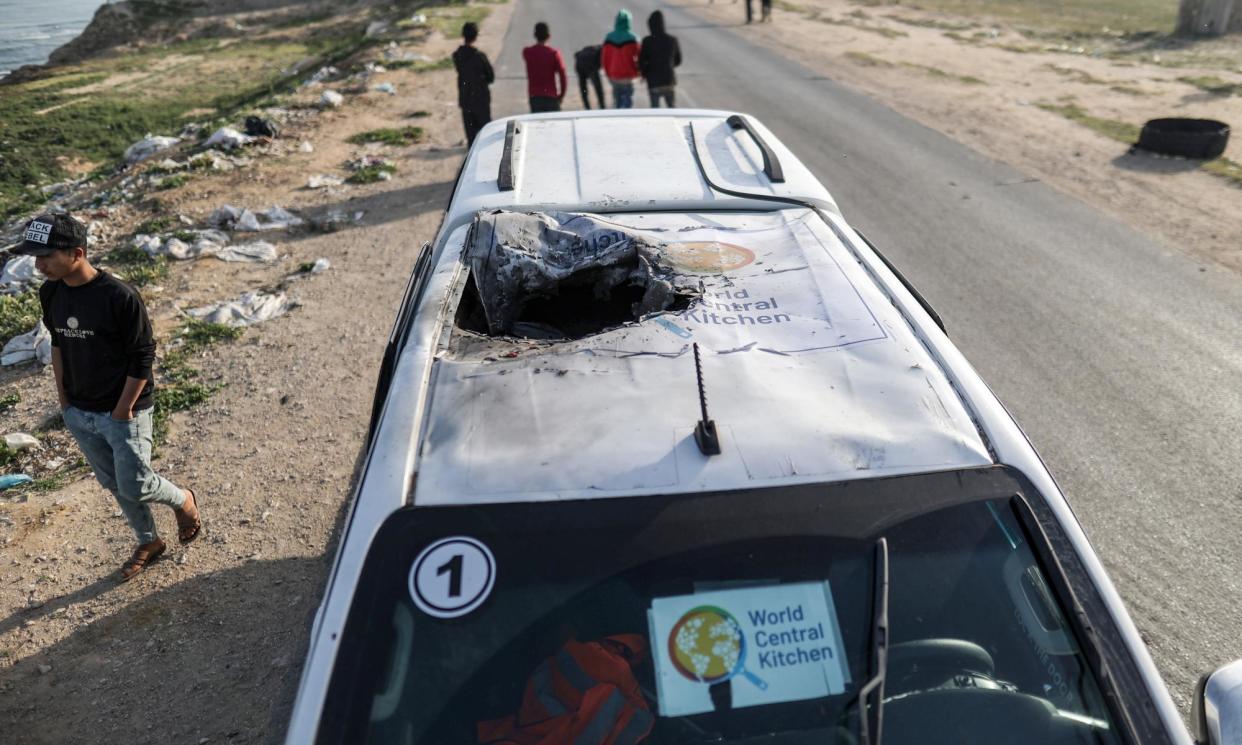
pixel 993 88
pixel 207 645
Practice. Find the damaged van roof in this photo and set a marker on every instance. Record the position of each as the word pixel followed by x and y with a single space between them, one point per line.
pixel 811 374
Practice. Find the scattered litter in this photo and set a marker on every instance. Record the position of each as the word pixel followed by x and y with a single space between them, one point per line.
pixel 331 99
pixel 321 265
pixel 375 28
pixel 35 344
pixel 322 181
pixel 375 67
pixel 388 88
pixel 168 164
pixel 19 441
pixel 205 243
pixel 257 126
pixel 10 480
pixel 148 146
pixel 419 19
pixel 334 220
pixel 395 53
pixel 306 147
pixel 255 251
pixel 227 138
pixel 229 217
pixel 250 308
pixel 322 74
pixel 18 274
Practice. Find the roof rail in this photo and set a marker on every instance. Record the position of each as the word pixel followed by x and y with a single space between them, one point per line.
pixel 771 165
pixel 504 178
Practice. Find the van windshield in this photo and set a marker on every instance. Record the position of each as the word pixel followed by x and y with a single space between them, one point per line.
pixel 742 617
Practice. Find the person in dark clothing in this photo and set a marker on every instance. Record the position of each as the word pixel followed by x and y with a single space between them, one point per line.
pixel 545 68
pixel 587 65
pixel 765 7
pixel 749 11
pixel 102 352
pixel 474 75
pixel 657 56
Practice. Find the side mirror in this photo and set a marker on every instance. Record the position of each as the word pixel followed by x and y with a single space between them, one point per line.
pixel 1217 711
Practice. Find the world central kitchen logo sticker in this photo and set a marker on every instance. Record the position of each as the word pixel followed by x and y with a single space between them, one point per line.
pixel 769 644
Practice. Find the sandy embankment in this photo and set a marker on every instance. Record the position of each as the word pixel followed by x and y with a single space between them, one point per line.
pixel 983 84
pixel 207 645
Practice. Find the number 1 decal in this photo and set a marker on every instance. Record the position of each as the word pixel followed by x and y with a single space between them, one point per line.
pixel 452 577
pixel 453 568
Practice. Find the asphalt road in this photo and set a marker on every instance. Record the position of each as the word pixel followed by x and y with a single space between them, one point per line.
pixel 1120 356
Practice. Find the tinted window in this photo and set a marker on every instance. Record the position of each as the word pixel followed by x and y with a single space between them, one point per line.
pixel 731 618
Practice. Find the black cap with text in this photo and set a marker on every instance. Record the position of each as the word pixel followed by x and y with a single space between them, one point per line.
pixel 46 233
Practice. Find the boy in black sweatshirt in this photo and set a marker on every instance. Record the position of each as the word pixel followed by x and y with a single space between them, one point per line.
pixel 102 352
pixel 657 57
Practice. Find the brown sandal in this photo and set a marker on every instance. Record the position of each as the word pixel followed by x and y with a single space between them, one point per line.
pixel 142 556
pixel 188 531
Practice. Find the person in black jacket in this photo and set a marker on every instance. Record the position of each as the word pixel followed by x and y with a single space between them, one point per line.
pixel 657 57
pixel 474 75
pixel 587 65
pixel 102 352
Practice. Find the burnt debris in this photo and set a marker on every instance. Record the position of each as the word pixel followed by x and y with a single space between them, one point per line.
pixel 558 275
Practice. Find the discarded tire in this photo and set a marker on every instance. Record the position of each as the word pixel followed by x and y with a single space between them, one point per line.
pixel 1201 139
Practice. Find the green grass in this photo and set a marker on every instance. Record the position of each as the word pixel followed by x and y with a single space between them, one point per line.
pixel 419 66
pixel 136 267
pixel 1128 90
pixel 1214 85
pixel 1084 16
pixel 371 174
pixel 887 33
pixel 1230 171
pixel 868 60
pixel 1110 128
pixel 389 136
pixel 1078 76
pixel 198 335
pixel 156 225
pixel 418 114
pixel 1125 132
pixel 18 314
pixel 6 456
pixel 9 400
pixel 37 126
pixel 936 72
pixel 449 18
pixel 179 390
pixel 172 182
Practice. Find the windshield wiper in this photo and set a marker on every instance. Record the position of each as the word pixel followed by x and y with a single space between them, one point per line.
pixel 871 717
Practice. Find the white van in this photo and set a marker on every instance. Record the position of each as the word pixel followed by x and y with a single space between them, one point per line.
pixel 664 451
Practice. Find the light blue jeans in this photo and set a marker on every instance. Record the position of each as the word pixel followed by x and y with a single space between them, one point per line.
pixel 120 454
pixel 622 94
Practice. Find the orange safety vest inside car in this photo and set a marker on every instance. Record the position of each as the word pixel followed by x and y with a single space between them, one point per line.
pixel 585 694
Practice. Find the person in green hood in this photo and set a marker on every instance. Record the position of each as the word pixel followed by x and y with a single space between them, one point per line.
pixel 619 58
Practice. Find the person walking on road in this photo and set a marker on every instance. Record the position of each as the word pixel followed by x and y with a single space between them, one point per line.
pixel 587 64
pixel 765 7
pixel 545 72
pixel 474 75
pixel 619 58
pixel 659 54
pixel 102 353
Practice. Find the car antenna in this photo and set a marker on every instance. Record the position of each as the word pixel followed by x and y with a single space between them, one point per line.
pixel 705 430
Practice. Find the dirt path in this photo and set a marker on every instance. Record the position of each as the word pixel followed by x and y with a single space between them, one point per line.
pixel 1011 98
pixel 207 645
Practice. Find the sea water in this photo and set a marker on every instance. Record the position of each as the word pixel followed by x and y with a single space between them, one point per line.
pixel 31 29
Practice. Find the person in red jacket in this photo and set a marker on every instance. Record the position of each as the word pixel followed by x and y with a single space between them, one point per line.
pixel 620 60
pixel 545 72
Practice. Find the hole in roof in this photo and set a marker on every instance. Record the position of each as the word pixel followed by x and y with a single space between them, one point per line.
pixel 562 276
pixel 578 306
